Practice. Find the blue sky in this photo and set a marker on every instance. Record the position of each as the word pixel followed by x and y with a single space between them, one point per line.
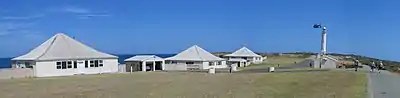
pixel 366 27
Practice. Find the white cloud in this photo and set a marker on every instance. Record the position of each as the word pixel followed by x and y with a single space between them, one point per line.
pixel 13 28
pixel 84 13
pixel 76 10
pixel 89 16
pixel 95 15
pixel 22 17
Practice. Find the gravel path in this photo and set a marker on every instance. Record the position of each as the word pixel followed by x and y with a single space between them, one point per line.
pixel 383 85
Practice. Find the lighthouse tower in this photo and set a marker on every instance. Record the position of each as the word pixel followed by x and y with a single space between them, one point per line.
pixel 322 60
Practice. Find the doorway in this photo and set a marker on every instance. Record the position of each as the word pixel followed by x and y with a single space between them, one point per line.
pixel 81 66
pixel 158 66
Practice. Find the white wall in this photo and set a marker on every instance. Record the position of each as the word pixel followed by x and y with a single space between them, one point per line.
pixel 181 65
pixel 122 68
pixel 206 65
pixel 223 64
pixel 48 68
pixel 258 60
pixel 254 60
pixel 329 64
pixel 175 67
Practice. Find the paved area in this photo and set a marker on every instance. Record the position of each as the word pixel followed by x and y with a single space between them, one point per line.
pixel 383 85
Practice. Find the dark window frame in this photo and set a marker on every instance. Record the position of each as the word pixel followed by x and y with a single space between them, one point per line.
pixel 58 65
pixel 69 64
pixel 211 63
pixel 86 64
pixel 190 63
pixel 96 63
pixel 63 65
pixel 75 64
pixel 91 63
pixel 101 63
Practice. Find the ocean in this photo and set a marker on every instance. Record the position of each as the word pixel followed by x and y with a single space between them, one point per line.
pixel 6 62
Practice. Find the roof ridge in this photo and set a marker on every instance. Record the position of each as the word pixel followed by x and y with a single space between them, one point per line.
pixel 68 44
pixel 197 52
pixel 47 48
pixel 243 51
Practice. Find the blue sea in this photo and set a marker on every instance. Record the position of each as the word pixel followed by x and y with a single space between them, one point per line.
pixel 6 62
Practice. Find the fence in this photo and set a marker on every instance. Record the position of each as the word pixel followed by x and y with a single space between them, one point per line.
pixel 9 73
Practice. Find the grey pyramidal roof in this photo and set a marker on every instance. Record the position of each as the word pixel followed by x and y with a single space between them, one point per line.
pixel 61 47
pixel 243 52
pixel 144 58
pixel 195 53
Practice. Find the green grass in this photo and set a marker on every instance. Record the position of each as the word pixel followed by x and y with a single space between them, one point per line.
pixel 274 61
pixel 328 84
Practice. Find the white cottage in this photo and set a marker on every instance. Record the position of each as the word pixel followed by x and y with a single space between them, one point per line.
pixel 246 54
pixel 194 57
pixel 62 55
pixel 144 63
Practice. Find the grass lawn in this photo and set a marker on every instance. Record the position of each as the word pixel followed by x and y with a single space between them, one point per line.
pixel 274 61
pixel 328 84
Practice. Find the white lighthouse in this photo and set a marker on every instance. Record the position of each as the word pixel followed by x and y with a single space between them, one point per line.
pixel 323 41
pixel 322 60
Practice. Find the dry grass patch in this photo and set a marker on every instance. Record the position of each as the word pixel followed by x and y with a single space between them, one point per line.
pixel 330 84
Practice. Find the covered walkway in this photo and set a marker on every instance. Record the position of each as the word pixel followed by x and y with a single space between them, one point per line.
pixel 144 63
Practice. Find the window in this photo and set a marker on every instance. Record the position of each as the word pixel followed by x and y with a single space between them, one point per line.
pixel 58 65
pixel 75 64
pixel 69 64
pixel 219 63
pixel 174 62
pixel 91 63
pixel 66 64
pixel 100 63
pixel 94 63
pixel 86 64
pixel 27 64
pixel 63 65
pixel 211 63
pixel 189 63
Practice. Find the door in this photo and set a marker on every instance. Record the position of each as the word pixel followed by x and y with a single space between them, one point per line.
pixel 82 65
